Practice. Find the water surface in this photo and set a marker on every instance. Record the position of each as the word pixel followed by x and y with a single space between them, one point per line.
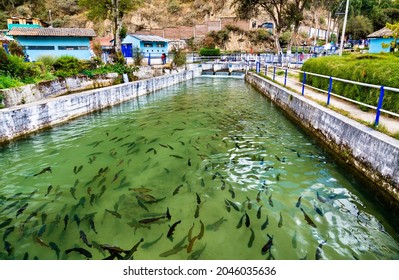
pixel 209 169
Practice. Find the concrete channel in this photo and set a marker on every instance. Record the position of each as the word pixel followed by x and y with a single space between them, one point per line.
pixel 373 154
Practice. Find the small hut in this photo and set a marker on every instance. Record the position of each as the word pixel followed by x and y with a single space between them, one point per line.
pixel 382 36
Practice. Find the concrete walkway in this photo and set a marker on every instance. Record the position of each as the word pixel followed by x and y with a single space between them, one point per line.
pixel 387 125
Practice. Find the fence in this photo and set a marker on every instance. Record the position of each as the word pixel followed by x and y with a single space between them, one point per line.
pixel 271 69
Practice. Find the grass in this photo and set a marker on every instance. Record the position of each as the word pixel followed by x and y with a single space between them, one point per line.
pixel 376 69
pixel 379 128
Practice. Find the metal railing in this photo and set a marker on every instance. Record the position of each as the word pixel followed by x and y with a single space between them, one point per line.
pixel 281 59
pixel 272 69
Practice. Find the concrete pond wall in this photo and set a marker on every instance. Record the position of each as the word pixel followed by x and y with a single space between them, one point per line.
pixel 61 86
pixel 24 119
pixel 374 154
pixel 48 89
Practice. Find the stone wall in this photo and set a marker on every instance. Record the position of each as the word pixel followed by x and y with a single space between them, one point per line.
pixel 48 89
pixel 24 119
pixel 374 154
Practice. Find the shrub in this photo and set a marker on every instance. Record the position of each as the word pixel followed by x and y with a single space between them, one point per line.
pixel 209 52
pixel 15 49
pixel 3 60
pixel 179 57
pixel 137 56
pixel 173 7
pixel 67 65
pixel 18 68
pixel 48 61
pixel 376 69
pixel 8 82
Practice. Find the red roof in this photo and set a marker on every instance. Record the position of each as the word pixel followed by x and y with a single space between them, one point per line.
pixel 105 41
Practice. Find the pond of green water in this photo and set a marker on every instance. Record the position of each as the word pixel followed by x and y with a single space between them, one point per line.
pixel 208 169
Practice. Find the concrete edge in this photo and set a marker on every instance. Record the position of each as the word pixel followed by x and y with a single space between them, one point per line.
pixel 372 153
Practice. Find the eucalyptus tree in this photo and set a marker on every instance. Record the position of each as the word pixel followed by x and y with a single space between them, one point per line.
pixel 113 10
pixel 286 15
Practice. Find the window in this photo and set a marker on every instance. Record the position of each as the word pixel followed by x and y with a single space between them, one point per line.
pixel 148 45
pixel 72 48
pixel 29 22
pixel 160 45
pixel 41 48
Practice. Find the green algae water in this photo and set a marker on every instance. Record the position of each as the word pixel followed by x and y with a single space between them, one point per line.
pixel 206 170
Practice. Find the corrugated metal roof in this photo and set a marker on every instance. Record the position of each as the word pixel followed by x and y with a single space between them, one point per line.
pixel 54 32
pixel 149 38
pixel 384 32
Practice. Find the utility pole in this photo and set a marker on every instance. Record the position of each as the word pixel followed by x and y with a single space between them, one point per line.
pixel 341 48
pixel 51 19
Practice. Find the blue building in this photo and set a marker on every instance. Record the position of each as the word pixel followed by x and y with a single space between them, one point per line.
pixel 379 37
pixel 54 41
pixel 148 45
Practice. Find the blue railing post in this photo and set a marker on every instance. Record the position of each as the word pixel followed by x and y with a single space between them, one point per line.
pixel 274 73
pixel 285 77
pixel 149 59
pixel 379 106
pixel 257 67
pixel 266 69
pixel 329 91
pixel 303 83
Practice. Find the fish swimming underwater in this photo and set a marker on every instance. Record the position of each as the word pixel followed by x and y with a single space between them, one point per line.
pixel 264 225
pixel 55 248
pixel 81 251
pixel 298 203
pixel 268 245
pixel 308 219
pixel 172 229
pixel 84 238
pixel 149 244
pixel 44 170
pixel 114 213
pixel 239 225
pixel 251 238
pixel 259 212
pixel 280 223
pixel 247 220
pixel 271 201
pixel 215 226
pixel 129 253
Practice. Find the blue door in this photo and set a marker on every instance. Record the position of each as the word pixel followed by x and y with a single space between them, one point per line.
pixel 127 50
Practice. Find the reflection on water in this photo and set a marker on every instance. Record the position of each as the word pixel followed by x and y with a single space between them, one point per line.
pixel 204 170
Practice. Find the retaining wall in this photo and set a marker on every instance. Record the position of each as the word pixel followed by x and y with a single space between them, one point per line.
pixel 374 154
pixel 47 89
pixel 25 119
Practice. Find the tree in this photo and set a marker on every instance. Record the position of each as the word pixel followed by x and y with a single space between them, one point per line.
pixel 111 9
pixel 3 20
pixel 286 15
pixel 395 34
pixel 359 27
